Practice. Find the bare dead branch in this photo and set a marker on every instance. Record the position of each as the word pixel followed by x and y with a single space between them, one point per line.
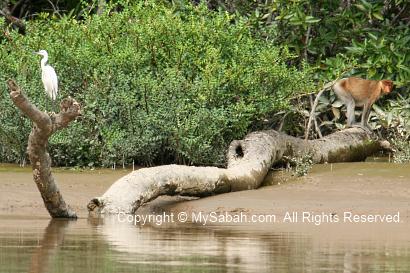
pixel 44 126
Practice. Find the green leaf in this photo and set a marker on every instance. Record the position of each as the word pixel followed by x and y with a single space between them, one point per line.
pixel 366 4
pixel 337 104
pixel 361 7
pixel 378 16
pixel 403 67
pixel 372 36
pixel 354 50
pixel 312 20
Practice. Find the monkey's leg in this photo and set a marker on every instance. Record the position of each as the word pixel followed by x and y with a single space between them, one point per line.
pixel 350 105
pixel 365 115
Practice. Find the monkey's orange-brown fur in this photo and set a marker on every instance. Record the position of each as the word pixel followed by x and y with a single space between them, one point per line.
pixel 360 92
pixel 366 90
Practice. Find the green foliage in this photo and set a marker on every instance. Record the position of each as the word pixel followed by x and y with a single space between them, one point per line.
pixel 395 114
pixel 340 38
pixel 157 83
pixel 164 81
pixel 372 36
pixel 383 55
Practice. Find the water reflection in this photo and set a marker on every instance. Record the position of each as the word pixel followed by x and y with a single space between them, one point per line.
pixel 106 245
pixel 232 251
pixel 52 240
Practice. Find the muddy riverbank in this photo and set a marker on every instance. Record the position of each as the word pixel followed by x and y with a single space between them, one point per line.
pixel 362 188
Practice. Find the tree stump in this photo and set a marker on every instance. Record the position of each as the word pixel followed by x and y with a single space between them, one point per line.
pixel 44 125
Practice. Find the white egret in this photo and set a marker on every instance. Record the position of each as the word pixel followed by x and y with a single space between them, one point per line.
pixel 48 76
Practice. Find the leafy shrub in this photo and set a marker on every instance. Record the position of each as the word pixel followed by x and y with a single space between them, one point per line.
pixel 157 83
pixel 340 38
pixel 372 35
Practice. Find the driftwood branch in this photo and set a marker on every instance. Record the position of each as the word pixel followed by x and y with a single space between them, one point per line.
pixel 44 126
pixel 249 160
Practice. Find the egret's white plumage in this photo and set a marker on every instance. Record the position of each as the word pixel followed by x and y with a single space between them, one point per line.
pixel 48 76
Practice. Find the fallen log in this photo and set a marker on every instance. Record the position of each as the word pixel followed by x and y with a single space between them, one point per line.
pixel 44 125
pixel 249 161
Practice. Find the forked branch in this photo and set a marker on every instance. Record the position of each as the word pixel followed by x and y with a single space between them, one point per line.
pixel 45 124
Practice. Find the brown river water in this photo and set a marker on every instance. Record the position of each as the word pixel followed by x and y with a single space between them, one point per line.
pixel 31 242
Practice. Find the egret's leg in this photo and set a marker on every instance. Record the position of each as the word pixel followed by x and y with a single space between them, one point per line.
pixel 48 104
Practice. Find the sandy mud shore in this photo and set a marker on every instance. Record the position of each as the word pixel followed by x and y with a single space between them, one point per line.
pixel 360 188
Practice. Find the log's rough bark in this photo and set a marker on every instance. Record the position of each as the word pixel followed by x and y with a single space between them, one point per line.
pixel 249 160
pixel 45 124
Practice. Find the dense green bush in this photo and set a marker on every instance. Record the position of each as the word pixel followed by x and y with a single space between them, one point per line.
pixel 158 84
pixel 371 35
pixel 340 38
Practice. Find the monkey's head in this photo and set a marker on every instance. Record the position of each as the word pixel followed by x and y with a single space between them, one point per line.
pixel 387 86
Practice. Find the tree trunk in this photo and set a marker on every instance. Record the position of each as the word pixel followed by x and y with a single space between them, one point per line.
pixel 44 126
pixel 249 160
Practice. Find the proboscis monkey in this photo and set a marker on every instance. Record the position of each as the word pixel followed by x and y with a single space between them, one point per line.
pixel 359 92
